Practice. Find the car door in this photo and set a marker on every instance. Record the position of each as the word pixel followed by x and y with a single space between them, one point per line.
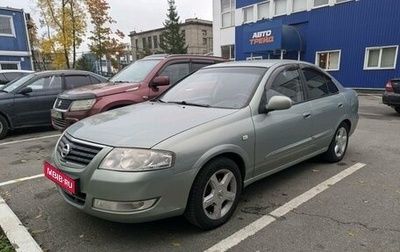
pixel 283 136
pixel 327 103
pixel 33 108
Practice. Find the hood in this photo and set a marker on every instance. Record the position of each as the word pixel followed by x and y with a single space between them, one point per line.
pixel 143 125
pixel 98 90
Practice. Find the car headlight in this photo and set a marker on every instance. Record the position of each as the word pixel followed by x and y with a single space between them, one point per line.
pixel 124 159
pixel 82 104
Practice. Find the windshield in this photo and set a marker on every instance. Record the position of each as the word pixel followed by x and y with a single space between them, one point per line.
pixel 14 84
pixel 230 87
pixel 135 72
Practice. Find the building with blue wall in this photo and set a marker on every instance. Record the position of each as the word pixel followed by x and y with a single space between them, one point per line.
pixel 357 41
pixel 15 52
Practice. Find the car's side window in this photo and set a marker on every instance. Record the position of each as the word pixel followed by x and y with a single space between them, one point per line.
pixel 287 83
pixel 94 80
pixel 318 84
pixel 197 65
pixel 46 83
pixel 3 79
pixel 176 71
pixel 74 81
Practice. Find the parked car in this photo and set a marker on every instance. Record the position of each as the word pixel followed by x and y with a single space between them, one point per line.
pixel 193 149
pixel 27 101
pixel 391 96
pixel 9 75
pixel 141 81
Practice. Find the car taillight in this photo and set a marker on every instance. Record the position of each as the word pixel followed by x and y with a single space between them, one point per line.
pixel 389 87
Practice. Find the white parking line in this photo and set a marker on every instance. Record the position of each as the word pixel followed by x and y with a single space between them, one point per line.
pixel 20 180
pixel 30 139
pixel 264 221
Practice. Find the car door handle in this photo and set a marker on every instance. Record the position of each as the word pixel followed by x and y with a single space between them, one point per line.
pixel 307 115
pixel 340 105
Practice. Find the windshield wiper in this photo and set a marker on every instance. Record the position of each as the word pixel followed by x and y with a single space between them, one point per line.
pixel 189 103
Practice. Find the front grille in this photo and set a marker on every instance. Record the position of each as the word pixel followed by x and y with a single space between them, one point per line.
pixel 62 104
pixel 59 122
pixel 76 151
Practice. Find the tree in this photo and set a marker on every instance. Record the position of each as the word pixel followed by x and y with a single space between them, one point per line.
pixel 173 41
pixel 66 26
pixel 103 44
pixel 85 63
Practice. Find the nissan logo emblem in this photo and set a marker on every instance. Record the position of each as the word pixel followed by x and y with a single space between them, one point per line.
pixel 65 150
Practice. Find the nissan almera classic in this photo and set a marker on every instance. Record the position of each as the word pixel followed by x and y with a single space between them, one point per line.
pixel 192 150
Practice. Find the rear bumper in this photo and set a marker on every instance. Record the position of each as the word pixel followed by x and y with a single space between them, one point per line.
pixel 391 99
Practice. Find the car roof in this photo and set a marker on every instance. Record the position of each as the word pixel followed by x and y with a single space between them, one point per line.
pixel 267 63
pixel 184 56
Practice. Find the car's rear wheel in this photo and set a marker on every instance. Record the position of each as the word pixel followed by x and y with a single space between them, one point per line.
pixel 3 127
pixel 397 108
pixel 338 146
pixel 214 194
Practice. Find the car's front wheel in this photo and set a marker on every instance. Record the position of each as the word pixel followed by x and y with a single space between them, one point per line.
pixel 214 194
pixel 3 127
pixel 338 146
pixel 397 108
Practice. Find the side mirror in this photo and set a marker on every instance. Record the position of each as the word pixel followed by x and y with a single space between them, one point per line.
pixel 160 81
pixel 25 90
pixel 279 102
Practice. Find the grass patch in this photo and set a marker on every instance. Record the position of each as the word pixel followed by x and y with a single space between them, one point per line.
pixel 5 245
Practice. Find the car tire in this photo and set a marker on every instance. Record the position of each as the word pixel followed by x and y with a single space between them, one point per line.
pixel 3 127
pixel 397 108
pixel 338 146
pixel 222 197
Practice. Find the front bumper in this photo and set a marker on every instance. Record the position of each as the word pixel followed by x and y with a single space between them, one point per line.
pixel 170 191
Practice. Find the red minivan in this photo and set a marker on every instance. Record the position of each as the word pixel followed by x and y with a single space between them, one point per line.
pixel 141 81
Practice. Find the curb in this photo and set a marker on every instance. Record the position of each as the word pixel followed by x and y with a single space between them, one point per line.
pixel 16 233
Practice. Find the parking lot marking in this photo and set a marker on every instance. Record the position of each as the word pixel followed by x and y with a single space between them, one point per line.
pixel 30 139
pixel 20 180
pixel 264 221
pixel 16 233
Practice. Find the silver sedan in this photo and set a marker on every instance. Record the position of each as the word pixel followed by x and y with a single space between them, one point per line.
pixel 192 150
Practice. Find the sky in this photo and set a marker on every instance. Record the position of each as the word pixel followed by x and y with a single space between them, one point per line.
pixel 133 15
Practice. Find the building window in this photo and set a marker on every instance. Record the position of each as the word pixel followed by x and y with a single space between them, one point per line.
pixel 299 5
pixel 248 14
pixel 329 60
pixel 228 12
pixel 6 26
pixel 204 32
pixel 155 41
pixel 263 10
pixel 318 3
pixel 183 33
pixel 381 57
pixel 9 66
pixel 150 43
pixel 204 41
pixel 228 52
pixel 280 7
pixel 144 43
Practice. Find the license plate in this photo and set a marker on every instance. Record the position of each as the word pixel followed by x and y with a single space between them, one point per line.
pixel 56 114
pixel 61 179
